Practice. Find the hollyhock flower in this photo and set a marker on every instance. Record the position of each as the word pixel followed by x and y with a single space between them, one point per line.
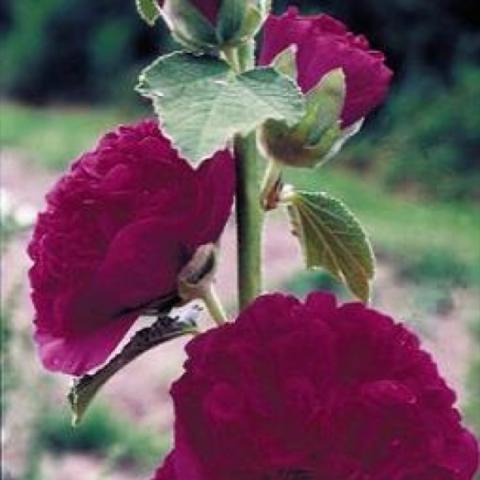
pixel 324 44
pixel 210 24
pixel 315 391
pixel 117 229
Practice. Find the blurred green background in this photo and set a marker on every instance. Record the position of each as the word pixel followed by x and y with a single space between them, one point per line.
pixel 68 68
pixel 57 51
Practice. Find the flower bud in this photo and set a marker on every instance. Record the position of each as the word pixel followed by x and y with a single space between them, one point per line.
pixel 319 135
pixel 214 24
pixel 198 274
pixel 342 77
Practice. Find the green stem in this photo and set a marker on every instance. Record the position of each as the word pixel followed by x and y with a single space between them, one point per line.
pixel 214 306
pixel 249 214
pixel 230 54
pixel 249 220
pixel 241 58
pixel 246 55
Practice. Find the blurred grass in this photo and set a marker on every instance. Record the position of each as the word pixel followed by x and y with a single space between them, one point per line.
pixel 8 377
pixel 472 409
pixel 103 433
pixel 473 404
pixel 117 441
pixel 53 137
pixel 426 140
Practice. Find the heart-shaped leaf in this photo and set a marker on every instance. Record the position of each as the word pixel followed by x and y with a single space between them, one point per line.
pixel 202 103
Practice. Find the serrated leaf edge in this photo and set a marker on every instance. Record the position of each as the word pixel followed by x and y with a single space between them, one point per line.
pixel 337 272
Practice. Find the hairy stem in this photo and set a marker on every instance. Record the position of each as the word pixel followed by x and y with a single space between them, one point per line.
pixel 249 220
pixel 230 54
pixel 214 306
pixel 246 55
pixel 249 214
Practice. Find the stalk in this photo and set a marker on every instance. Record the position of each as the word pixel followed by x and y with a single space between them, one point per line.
pixel 248 211
pixel 249 220
pixel 214 306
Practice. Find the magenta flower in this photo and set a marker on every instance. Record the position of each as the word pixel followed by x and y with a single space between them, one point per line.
pixel 315 391
pixel 324 44
pixel 117 229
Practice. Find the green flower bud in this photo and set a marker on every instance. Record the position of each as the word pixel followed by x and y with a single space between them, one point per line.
pixel 214 24
pixel 318 136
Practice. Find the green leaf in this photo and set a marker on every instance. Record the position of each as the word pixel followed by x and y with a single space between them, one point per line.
pixel 148 10
pixel 331 237
pixel 286 62
pixel 164 329
pixel 318 136
pixel 202 103
pixel 324 106
pixel 334 139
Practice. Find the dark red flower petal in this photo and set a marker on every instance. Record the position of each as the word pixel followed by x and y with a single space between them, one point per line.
pixel 167 470
pixel 318 391
pixel 118 228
